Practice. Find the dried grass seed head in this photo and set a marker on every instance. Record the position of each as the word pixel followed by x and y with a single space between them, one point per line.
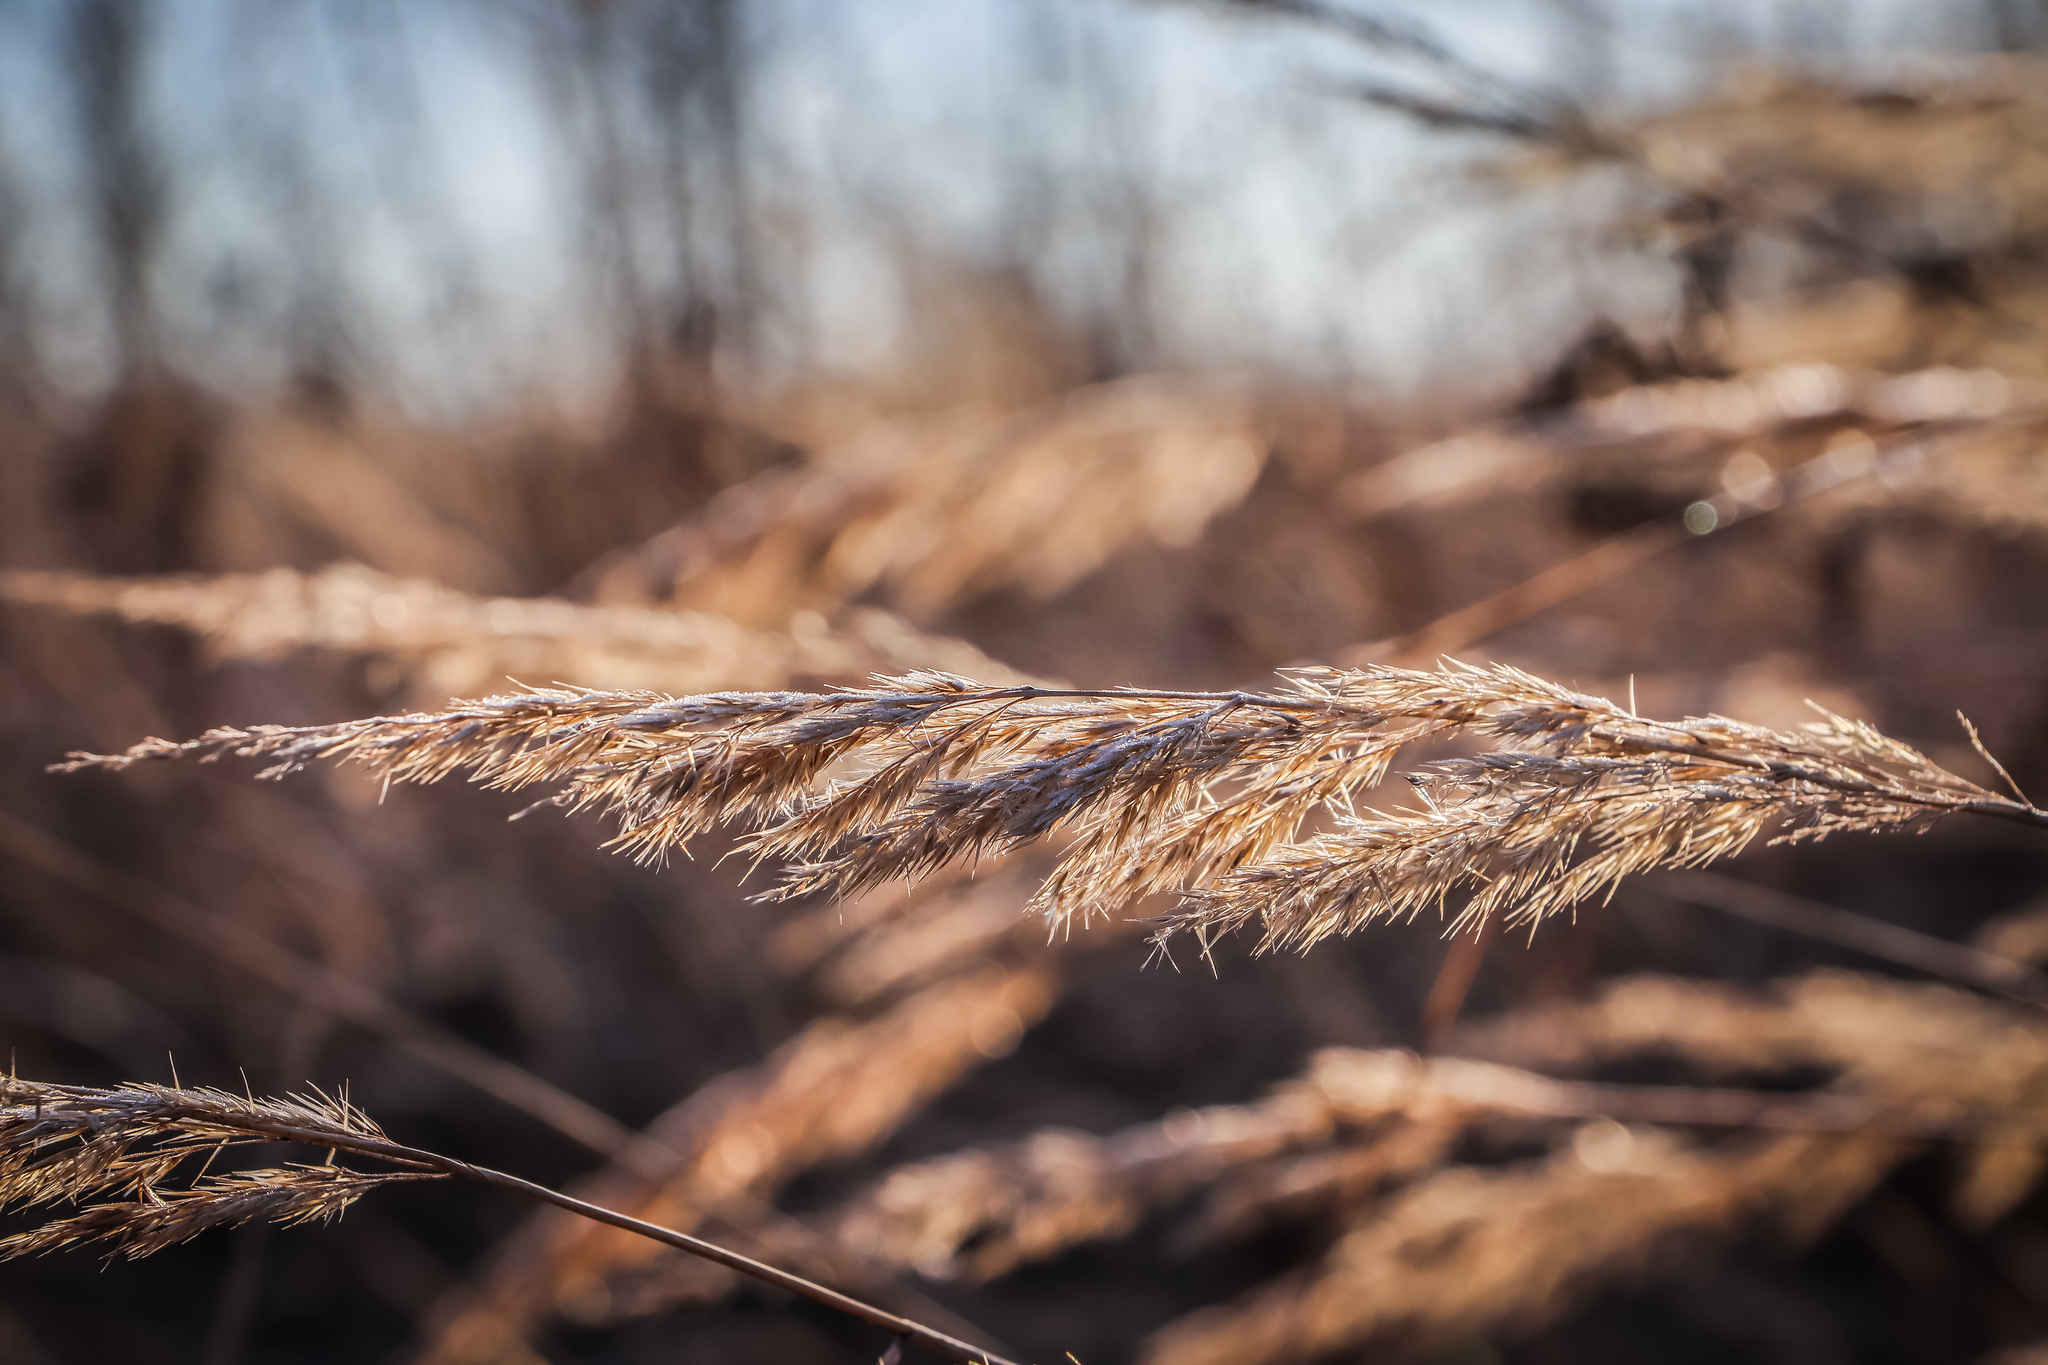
pixel 78 1143
pixel 1200 794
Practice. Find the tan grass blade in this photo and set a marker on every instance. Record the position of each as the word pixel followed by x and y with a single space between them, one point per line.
pixel 1893 457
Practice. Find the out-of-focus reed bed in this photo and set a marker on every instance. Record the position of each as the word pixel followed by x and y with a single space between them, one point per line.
pixel 1516 1247
pixel 840 1033
pixel 1688 1129
pixel 1430 1249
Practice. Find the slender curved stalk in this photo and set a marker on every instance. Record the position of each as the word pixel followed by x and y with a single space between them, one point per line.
pixel 952 1348
pixel 112 1128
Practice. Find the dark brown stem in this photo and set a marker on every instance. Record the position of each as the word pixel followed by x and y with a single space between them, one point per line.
pixel 952 1348
pixel 1454 982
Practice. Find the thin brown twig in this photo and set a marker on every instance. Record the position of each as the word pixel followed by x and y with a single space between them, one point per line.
pixel 1453 983
pixel 951 1347
pixel 1977 743
pixel 1460 629
pixel 1892 942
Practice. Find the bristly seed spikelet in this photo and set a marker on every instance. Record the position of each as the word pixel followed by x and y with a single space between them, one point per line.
pixel 1200 794
pixel 77 1144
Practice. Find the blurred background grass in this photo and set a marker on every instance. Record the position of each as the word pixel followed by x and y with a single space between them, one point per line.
pixel 715 344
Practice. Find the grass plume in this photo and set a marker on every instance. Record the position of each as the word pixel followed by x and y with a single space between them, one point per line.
pixel 1198 793
pixel 78 1143
pixel 75 1143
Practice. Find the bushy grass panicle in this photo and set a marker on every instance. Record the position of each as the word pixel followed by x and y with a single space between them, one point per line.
pixel 1204 795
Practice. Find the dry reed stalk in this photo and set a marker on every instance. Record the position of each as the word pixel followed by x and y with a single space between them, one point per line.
pixel 371 495
pixel 801 1120
pixel 1363 1086
pixel 454 641
pixel 832 1092
pixel 1201 794
pixel 1915 1062
pixel 78 1143
pixel 1903 1041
